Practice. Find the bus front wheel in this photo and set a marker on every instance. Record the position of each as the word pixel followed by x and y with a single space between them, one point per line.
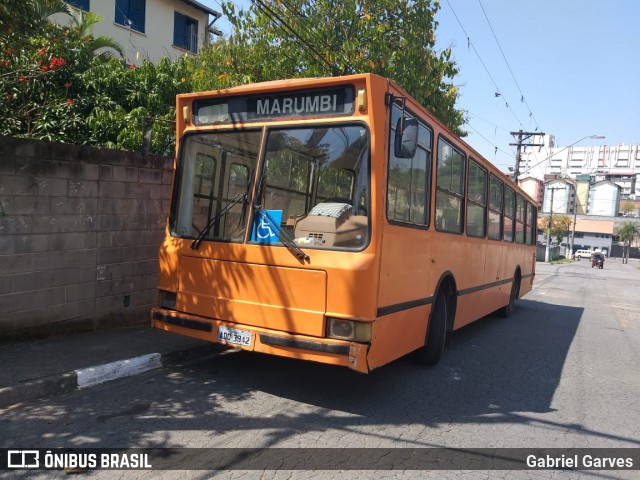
pixel 430 353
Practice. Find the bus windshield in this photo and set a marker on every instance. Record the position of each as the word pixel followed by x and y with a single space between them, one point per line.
pixel 314 185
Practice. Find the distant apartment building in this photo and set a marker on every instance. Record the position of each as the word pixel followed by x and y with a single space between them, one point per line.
pixel 619 164
pixel 533 187
pixel 581 197
pixel 604 199
pixel 558 197
pixel 152 29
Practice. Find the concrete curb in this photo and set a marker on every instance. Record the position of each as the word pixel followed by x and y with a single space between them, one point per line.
pixel 90 376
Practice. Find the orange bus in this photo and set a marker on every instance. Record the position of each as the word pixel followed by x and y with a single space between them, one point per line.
pixel 335 220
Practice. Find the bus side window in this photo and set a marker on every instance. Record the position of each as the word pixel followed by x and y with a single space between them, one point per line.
pixel 450 176
pixel 496 192
pixel 476 200
pixel 509 214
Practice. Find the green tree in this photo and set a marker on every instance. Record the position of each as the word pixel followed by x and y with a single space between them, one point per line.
pixel 41 94
pixel 303 38
pixel 22 19
pixel 560 227
pixel 627 207
pixel 627 233
pixel 118 98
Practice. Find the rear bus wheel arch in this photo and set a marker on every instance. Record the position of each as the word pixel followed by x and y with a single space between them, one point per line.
pixel 440 322
pixel 507 310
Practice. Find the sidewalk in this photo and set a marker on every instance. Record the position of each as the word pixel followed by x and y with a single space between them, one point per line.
pixel 46 367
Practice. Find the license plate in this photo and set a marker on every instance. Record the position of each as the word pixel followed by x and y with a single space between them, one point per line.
pixel 235 336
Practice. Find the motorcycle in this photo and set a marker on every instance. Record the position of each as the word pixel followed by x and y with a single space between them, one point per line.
pixel 597 260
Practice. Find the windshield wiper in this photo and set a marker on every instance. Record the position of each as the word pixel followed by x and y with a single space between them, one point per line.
pixel 195 245
pixel 283 236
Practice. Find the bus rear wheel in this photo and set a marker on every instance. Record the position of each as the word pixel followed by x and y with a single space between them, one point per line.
pixel 508 309
pixel 429 354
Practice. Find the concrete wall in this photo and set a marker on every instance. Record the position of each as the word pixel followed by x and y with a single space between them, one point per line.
pixel 541 252
pixel 79 233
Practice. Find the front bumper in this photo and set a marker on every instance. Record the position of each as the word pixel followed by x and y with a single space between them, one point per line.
pixel 302 347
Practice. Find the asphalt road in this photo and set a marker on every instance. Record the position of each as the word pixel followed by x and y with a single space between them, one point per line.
pixel 562 372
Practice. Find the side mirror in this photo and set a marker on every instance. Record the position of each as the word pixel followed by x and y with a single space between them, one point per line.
pixel 406 138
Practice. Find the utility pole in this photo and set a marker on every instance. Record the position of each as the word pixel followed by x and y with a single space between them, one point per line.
pixel 575 218
pixel 547 251
pixel 523 137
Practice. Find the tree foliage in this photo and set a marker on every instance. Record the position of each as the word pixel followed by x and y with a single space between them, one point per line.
pixel 628 207
pixel 60 83
pixel 627 233
pixel 303 38
pixel 560 227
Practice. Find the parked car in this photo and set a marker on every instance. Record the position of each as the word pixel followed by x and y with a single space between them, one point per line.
pixel 597 260
pixel 582 254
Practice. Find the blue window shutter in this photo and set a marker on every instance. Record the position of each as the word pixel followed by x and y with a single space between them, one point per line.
pixel 131 13
pixel 137 14
pixel 192 33
pixel 122 12
pixel 179 30
pixel 81 4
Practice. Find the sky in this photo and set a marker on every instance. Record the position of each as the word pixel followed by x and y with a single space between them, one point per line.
pixel 575 62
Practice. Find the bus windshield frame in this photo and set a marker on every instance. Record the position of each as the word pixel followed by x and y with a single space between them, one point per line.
pixel 313 182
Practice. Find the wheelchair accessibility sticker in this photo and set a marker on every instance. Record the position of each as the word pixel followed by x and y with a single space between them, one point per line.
pixel 266 226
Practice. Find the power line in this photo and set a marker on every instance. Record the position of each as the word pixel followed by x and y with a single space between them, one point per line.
pixel 488 141
pixel 315 34
pixel 470 44
pixel 286 28
pixel 487 121
pixel 523 99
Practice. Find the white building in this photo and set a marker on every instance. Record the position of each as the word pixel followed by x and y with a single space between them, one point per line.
pixel 152 29
pixel 604 199
pixel 560 194
pixel 619 164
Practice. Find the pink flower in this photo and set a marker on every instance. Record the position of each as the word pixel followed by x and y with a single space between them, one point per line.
pixel 70 102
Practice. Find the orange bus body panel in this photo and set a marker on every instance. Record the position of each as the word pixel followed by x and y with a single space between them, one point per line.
pixel 397 334
pixel 281 298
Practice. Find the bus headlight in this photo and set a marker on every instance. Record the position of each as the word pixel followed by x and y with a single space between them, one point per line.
pixel 348 330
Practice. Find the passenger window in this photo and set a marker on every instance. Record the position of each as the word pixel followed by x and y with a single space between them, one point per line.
pixel 449 188
pixel 520 217
pixel 476 200
pixel 509 214
pixel 531 221
pixel 496 191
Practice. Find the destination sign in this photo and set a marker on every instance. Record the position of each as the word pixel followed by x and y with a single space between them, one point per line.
pixel 308 103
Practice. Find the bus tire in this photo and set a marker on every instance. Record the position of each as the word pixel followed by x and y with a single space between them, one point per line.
pixel 429 354
pixel 508 309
